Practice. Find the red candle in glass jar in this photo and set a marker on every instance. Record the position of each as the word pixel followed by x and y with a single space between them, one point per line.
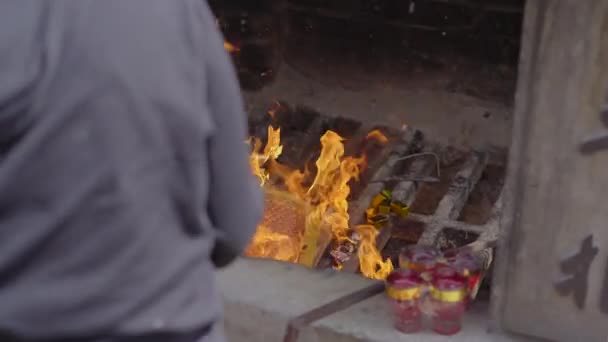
pixel 468 266
pixel 449 297
pixel 444 271
pixel 404 288
pixel 422 259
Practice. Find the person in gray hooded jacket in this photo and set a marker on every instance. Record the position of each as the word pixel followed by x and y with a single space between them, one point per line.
pixel 124 180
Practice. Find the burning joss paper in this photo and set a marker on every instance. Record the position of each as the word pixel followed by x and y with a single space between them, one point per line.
pixel 344 251
pixel 386 194
pixel 340 256
pixel 378 220
pixel 399 209
pixel 381 206
pixel 377 200
pixel 369 213
pixel 384 208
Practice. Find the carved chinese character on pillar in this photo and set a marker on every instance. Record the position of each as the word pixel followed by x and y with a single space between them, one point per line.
pixel 575 269
pixel 604 295
pixel 598 141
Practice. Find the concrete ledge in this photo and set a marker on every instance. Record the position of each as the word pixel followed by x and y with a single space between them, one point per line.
pixel 262 296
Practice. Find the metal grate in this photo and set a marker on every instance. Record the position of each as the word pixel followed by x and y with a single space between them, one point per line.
pixel 301 130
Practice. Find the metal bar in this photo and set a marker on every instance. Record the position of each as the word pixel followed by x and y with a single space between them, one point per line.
pixel 357 209
pixel 459 225
pixel 404 192
pixel 491 233
pixel 452 203
pixel 296 324
pixel 409 142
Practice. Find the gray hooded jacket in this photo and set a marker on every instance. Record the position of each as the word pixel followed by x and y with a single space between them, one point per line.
pixel 123 166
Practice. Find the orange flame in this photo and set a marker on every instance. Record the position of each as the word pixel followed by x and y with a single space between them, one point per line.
pixel 279 235
pixel 370 260
pixel 324 206
pixel 378 136
pixel 231 48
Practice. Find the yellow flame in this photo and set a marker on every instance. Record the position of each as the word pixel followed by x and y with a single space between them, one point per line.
pixel 370 260
pixel 326 200
pixel 272 151
pixel 330 188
